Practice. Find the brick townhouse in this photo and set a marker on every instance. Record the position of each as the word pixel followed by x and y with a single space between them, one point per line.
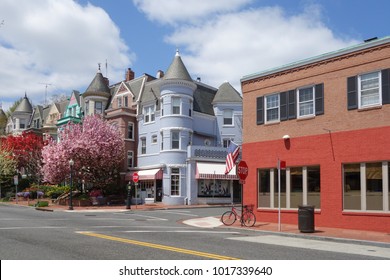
pixel 328 118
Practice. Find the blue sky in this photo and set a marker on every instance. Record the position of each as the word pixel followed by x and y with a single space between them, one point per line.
pixel 61 42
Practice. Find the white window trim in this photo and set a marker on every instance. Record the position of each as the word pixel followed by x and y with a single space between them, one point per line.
pixel 360 106
pixel 179 134
pixel 232 117
pixel 149 111
pixel 312 101
pixel 180 105
pixel 266 109
pixel 179 190
pixel 132 134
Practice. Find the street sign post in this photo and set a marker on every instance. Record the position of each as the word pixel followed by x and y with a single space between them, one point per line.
pixel 242 172
pixel 135 180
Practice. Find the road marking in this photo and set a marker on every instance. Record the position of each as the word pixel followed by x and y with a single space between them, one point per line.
pixel 182 231
pixel 206 222
pixel 152 218
pixel 176 212
pixel 158 246
pixel 47 227
pixel 330 246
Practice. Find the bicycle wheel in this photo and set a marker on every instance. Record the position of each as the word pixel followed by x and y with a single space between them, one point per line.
pixel 249 219
pixel 228 218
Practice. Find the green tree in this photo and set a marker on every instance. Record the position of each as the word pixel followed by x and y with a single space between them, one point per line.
pixel 7 169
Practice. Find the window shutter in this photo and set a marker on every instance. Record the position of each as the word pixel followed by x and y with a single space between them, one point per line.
pixel 283 106
pixel 352 93
pixel 386 86
pixel 319 99
pixel 260 110
pixel 292 107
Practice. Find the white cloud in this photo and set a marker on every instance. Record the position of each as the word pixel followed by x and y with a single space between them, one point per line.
pixel 56 42
pixel 231 44
pixel 173 11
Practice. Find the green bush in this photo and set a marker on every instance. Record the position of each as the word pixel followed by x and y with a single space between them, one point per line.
pixel 42 204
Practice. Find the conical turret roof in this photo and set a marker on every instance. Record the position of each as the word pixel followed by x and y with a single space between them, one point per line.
pixel 98 86
pixel 24 106
pixel 177 70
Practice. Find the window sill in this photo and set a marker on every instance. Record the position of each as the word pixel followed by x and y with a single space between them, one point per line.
pixel 364 109
pixel 306 118
pixel 272 123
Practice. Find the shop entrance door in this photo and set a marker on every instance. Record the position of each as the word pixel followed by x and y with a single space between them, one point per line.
pixel 159 191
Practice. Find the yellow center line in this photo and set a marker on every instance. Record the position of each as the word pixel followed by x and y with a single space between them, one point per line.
pixel 158 246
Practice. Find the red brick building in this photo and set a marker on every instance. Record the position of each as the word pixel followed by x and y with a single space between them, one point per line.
pixel 328 117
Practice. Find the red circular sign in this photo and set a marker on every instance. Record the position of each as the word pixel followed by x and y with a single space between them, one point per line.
pixel 135 177
pixel 242 170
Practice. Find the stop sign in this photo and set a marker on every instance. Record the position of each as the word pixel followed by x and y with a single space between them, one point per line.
pixel 135 177
pixel 242 170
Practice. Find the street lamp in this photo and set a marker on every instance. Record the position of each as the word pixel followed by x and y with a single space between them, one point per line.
pixel 71 163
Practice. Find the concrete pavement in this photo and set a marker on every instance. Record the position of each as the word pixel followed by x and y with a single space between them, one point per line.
pixel 211 222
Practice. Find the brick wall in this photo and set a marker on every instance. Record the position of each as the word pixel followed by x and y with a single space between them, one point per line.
pixel 338 136
pixel 334 75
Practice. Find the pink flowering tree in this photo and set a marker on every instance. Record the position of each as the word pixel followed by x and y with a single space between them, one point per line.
pixel 95 147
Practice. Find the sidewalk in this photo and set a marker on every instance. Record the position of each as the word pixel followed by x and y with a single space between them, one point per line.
pixel 287 229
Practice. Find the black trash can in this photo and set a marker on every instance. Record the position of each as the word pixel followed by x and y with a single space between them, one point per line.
pixel 306 218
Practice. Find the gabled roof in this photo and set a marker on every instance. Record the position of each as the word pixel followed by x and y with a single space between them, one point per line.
pixel 177 70
pixel 227 94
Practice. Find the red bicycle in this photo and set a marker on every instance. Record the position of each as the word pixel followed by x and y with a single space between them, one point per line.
pixel 247 217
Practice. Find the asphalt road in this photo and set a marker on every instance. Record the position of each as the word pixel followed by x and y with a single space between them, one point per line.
pixel 28 234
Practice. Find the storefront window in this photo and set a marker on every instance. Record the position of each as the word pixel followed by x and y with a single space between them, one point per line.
pixel 264 188
pixel 299 185
pixel 374 186
pixel 147 188
pixel 314 186
pixel 352 187
pixel 214 188
pixel 296 180
pixel 282 189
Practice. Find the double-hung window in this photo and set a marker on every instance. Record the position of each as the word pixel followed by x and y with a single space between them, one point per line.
pixel 130 159
pixel 369 89
pixel 176 105
pixel 98 107
pixel 175 140
pixel 130 130
pixel 149 114
pixel 272 107
pixel 228 117
pixel 143 145
pixel 306 104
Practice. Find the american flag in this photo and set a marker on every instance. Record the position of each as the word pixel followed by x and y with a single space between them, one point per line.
pixel 233 152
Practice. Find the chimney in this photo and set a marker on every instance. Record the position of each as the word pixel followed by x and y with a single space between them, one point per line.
pixel 160 74
pixel 129 75
pixel 107 81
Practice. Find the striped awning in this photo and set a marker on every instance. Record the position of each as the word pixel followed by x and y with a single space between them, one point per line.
pixel 214 171
pixel 149 174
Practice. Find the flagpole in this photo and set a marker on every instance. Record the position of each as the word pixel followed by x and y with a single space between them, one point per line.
pixel 279 209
